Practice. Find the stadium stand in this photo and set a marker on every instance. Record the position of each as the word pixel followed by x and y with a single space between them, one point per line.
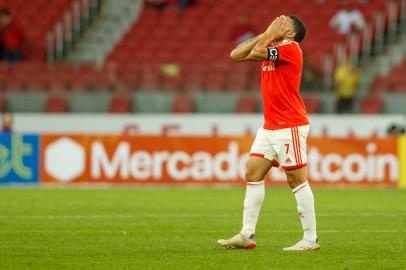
pixel 201 77
pixel 36 19
pixel 395 81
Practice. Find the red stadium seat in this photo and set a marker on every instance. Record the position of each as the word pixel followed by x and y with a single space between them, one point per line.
pixel 2 104
pixel 312 103
pixel 56 104
pixel 372 105
pixel 120 104
pixel 248 104
pixel 183 104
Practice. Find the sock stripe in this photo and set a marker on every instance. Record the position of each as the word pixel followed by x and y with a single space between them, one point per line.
pixel 299 187
pixel 255 183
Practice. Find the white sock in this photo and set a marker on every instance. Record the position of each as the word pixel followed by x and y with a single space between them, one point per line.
pixel 305 207
pixel 254 197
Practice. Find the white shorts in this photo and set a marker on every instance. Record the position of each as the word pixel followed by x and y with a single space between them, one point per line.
pixel 285 147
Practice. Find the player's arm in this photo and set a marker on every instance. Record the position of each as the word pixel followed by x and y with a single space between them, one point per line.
pixel 275 32
pixel 243 50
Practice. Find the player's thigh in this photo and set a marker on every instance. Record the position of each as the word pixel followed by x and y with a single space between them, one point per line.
pixel 291 147
pixel 257 168
pixel 296 177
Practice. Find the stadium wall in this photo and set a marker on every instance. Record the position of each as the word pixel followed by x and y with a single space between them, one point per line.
pixel 197 124
pixel 163 151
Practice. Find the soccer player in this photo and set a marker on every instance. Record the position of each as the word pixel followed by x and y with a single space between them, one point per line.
pixel 282 139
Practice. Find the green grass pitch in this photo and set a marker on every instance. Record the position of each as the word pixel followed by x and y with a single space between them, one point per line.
pixel 177 228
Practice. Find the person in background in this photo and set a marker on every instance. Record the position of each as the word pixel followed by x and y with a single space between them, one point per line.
pixel 157 4
pixel 11 37
pixel 7 123
pixel 346 20
pixel 396 129
pixel 183 4
pixel 322 2
pixel 243 30
pixel 310 78
pixel 163 4
pixel 346 79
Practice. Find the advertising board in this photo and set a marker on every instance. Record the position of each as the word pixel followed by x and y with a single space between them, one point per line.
pixel 207 160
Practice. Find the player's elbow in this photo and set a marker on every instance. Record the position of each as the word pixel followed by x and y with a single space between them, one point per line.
pixel 234 55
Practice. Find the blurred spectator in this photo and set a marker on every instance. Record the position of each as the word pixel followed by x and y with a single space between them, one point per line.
pixel 11 37
pixel 7 123
pixel 346 20
pixel 182 4
pixel 162 4
pixel 1 48
pixel 171 70
pixel 346 78
pixel 322 2
pixel 158 4
pixel 396 129
pixel 243 30
pixel 310 79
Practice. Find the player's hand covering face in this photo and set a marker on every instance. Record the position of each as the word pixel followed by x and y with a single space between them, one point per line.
pixel 281 28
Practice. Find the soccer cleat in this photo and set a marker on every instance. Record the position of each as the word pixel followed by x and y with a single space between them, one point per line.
pixel 238 241
pixel 303 245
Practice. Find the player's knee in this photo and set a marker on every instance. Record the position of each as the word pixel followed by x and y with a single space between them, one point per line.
pixel 295 177
pixel 253 176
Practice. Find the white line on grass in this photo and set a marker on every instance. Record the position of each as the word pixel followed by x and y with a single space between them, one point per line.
pixel 161 216
pixel 131 231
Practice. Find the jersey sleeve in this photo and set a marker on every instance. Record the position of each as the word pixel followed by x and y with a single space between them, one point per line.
pixel 285 53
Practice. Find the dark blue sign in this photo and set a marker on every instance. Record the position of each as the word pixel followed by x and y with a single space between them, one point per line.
pixel 19 158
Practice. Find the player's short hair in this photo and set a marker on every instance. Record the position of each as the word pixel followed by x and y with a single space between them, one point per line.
pixel 299 28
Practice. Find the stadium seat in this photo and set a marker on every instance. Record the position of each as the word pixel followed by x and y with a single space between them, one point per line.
pixel 120 104
pixel 312 103
pixel 183 104
pixel 247 104
pixel 371 105
pixel 2 104
pixel 56 104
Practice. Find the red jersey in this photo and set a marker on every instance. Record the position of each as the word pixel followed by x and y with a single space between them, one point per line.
pixel 280 83
pixel 13 37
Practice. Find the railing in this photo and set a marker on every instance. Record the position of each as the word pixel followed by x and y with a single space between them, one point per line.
pixel 361 47
pixel 61 40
